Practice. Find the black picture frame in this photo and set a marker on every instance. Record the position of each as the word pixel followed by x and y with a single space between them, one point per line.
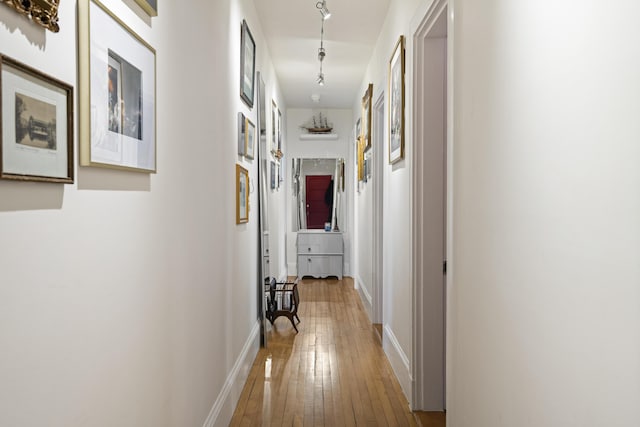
pixel 247 65
pixel 36 125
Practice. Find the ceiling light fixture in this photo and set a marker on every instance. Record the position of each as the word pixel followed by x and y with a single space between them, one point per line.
pixel 321 51
pixel 322 7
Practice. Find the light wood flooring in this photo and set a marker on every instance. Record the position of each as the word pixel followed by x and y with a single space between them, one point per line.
pixel 332 373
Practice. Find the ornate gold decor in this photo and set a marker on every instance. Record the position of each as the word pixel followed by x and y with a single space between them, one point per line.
pixel 43 12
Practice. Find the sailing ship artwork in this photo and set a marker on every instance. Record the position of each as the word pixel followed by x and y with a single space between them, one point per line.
pixel 318 125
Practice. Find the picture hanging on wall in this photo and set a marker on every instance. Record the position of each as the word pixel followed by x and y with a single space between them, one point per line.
pixel 42 12
pixel 242 195
pixel 242 134
pixel 247 64
pixel 274 127
pixel 149 6
pixel 396 103
pixel 366 116
pixel 279 131
pixel 36 143
pixel 117 92
pixel 250 140
pixel 273 175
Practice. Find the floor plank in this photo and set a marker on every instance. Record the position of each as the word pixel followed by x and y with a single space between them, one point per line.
pixel 332 373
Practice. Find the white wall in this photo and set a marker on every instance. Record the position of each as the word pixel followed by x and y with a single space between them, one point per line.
pixel 128 299
pixel 546 299
pixel 322 149
pixel 397 321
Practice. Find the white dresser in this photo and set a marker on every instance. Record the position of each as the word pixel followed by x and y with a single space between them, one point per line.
pixel 320 253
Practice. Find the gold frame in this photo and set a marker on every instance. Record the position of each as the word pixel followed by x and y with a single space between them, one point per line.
pixel 366 117
pixel 42 12
pixel 55 85
pixel 398 55
pixel 84 89
pixel 147 7
pixel 240 171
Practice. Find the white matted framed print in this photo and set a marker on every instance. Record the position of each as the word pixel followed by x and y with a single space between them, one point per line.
pixel 250 140
pixel 117 86
pixel 396 103
pixel 36 123
pixel 242 195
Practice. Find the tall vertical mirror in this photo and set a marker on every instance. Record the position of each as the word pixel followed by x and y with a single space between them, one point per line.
pixel 263 209
pixel 318 186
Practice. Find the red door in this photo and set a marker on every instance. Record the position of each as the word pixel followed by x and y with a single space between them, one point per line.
pixel 319 200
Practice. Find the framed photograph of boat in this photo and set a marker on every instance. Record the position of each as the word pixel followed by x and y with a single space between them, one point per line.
pixel 366 117
pixel 36 142
pixel 42 12
pixel 396 103
pixel 149 6
pixel 117 92
pixel 247 64
pixel 242 195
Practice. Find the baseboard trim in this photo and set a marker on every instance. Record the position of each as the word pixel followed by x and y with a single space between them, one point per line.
pixel 365 297
pixel 225 404
pixel 399 361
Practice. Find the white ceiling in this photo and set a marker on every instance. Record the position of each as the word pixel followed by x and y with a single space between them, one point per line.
pixel 292 29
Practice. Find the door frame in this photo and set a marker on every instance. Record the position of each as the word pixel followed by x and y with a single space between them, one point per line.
pixel 378 134
pixel 429 361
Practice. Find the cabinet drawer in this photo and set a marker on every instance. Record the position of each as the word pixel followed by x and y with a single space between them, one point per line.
pixel 319 243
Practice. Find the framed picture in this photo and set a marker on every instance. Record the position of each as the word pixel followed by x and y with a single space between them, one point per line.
pixel 360 159
pixel 149 6
pixel 273 175
pixel 247 64
pixel 396 103
pixel 242 195
pixel 36 119
pixel 274 126
pixel 250 140
pixel 279 130
pixel 242 134
pixel 117 87
pixel 358 130
pixel 42 12
pixel 366 116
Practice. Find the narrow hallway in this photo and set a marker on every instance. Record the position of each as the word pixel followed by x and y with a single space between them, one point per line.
pixel 332 373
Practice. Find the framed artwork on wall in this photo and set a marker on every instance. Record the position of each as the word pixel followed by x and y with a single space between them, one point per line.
pixel 36 142
pixel 273 175
pixel 360 159
pixel 396 103
pixel 242 134
pixel 242 195
pixel 279 131
pixel 247 64
pixel 149 6
pixel 366 116
pixel 117 91
pixel 274 127
pixel 250 140
pixel 42 12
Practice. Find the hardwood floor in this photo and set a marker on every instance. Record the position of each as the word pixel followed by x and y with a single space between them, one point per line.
pixel 332 373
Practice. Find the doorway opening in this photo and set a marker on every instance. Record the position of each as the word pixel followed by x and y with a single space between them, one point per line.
pixel 378 220
pixel 429 194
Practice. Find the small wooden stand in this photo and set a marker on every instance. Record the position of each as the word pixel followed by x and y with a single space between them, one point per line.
pixel 282 300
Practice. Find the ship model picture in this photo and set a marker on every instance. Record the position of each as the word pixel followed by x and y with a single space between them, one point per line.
pixel 318 125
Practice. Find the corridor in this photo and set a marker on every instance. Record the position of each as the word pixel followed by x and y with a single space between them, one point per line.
pixel 332 373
